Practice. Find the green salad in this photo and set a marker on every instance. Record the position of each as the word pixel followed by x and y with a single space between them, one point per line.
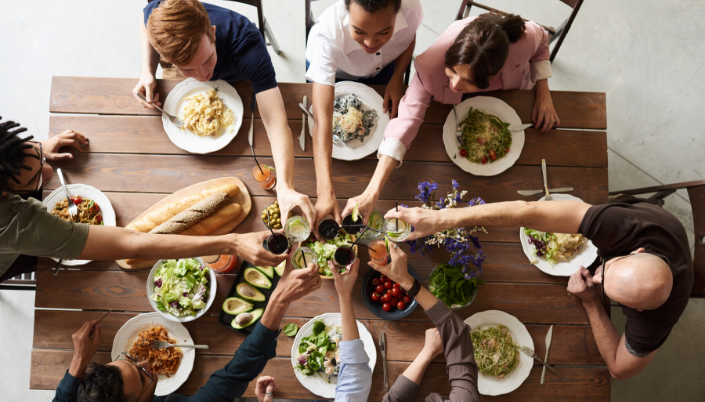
pixel 325 252
pixel 495 352
pixel 449 284
pixel 485 137
pixel 319 352
pixel 181 287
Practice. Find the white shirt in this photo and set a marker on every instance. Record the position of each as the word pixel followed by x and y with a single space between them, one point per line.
pixel 332 52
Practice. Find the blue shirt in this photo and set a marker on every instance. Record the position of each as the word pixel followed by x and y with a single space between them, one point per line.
pixel 355 377
pixel 223 385
pixel 242 52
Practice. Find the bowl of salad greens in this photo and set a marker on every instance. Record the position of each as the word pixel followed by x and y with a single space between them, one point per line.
pixel 181 290
pixel 448 283
pixel 325 252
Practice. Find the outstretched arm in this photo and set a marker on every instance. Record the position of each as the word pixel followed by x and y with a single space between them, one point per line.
pixel 150 58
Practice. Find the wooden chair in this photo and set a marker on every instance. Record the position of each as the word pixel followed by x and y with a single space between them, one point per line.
pixel 310 21
pixel 553 34
pixel 22 282
pixel 696 192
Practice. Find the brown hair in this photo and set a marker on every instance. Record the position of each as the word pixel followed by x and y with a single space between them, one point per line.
pixel 484 45
pixel 175 29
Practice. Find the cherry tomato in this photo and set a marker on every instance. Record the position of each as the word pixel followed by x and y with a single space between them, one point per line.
pixel 379 289
pixel 389 291
pixel 493 155
pixel 407 300
pixel 481 141
pixel 375 296
pixel 401 305
pixel 396 285
pixel 94 208
pixel 463 153
pixel 99 218
pixel 484 160
pixel 402 289
pixel 387 307
pixel 388 284
pixel 375 282
pixel 77 199
pixel 506 150
pixel 382 279
pixel 394 301
pixel 386 298
pixel 396 292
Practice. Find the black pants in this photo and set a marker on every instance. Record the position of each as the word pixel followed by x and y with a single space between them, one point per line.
pixel 22 265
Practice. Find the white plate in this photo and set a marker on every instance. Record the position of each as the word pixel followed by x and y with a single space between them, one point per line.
pixel 150 291
pixel 493 106
pixel 176 103
pixel 88 192
pixel 127 335
pixel 357 149
pixel 315 383
pixel 586 255
pixel 489 385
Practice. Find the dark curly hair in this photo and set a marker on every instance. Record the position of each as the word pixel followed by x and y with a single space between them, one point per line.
pixel 372 6
pixel 13 153
pixel 102 384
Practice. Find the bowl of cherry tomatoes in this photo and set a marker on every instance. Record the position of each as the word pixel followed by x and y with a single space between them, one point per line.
pixel 385 298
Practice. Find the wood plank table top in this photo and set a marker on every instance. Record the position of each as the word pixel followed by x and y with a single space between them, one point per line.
pixel 132 161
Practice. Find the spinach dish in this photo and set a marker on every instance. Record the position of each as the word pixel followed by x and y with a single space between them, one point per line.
pixel 349 120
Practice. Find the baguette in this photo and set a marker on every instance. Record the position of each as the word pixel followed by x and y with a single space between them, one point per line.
pixel 192 215
pixel 168 211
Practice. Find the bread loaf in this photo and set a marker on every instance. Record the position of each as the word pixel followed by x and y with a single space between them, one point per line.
pixel 215 221
pixel 168 211
pixel 192 215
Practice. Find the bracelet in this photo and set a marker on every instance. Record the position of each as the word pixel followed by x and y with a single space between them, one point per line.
pixel 414 289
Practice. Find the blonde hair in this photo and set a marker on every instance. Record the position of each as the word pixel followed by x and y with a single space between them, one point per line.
pixel 175 29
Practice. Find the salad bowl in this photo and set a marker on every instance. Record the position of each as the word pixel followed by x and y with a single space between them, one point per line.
pixel 212 285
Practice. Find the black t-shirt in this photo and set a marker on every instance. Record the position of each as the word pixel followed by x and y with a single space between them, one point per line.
pixel 621 228
pixel 242 53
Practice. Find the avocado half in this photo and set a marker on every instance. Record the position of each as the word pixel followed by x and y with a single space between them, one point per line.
pixel 236 305
pixel 269 271
pixel 279 269
pixel 244 320
pixel 249 293
pixel 256 278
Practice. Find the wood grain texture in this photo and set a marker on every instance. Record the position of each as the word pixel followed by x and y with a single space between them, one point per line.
pixel 145 135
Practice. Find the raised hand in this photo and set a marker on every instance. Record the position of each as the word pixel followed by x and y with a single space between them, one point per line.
pixel 146 86
pixel 289 199
pixel 297 283
pixel 248 246
pixel 424 221
pixel 344 283
pixel 326 205
pixel 398 270
pixel 264 388
pixel 85 346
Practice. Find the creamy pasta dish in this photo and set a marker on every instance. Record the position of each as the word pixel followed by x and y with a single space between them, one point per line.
pixel 205 114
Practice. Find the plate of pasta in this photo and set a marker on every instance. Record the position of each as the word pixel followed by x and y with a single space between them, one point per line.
pixel 172 365
pixel 212 112
pixel 94 208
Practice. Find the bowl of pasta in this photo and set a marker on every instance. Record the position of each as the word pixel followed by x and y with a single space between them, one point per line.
pixel 212 112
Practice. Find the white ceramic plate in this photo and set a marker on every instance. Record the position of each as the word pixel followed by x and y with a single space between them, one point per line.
pixel 88 192
pixel 315 383
pixel 489 385
pixel 127 335
pixel 493 106
pixel 150 291
pixel 587 253
pixel 357 149
pixel 176 103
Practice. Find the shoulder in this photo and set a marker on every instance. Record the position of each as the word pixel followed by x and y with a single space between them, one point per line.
pixel 330 24
pixel 12 205
pixel 412 12
pixel 529 42
pixel 147 10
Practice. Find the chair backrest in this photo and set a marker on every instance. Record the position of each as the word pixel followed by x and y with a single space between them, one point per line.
pixel 260 14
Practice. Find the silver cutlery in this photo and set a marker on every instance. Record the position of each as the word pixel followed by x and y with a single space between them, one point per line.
pixel 177 122
pixel 530 352
pixel 549 338
pixel 518 127
pixel 383 350
pixel 553 190
pixel 73 210
pixel 545 182
pixel 99 320
pixel 458 129
pixel 302 137
pixel 57 268
pixel 164 345
pixel 251 134
pixel 336 140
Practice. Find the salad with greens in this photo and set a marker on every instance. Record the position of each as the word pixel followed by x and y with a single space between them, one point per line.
pixel 181 287
pixel 319 353
pixel 325 252
pixel 449 284
pixel 495 352
pixel 555 247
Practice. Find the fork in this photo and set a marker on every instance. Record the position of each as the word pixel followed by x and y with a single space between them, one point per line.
pixel 73 210
pixel 530 352
pixel 458 129
pixel 164 345
pixel 545 182
pixel 336 140
pixel 177 122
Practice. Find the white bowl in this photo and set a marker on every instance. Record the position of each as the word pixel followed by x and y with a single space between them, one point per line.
pixel 150 291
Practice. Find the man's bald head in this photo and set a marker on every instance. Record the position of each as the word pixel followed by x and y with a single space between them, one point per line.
pixel 642 281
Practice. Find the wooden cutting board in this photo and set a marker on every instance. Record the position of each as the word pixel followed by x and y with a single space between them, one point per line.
pixel 243 198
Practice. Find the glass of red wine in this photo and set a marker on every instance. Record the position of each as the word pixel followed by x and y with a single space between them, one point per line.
pixel 344 256
pixel 277 243
pixel 352 227
pixel 328 228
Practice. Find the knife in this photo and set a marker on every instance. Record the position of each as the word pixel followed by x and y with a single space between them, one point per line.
pixel 251 134
pixel 382 348
pixel 555 190
pixel 549 337
pixel 302 138
pixel 518 127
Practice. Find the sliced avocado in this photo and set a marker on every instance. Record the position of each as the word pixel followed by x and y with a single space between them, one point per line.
pixel 256 278
pixel 249 293
pixel 243 320
pixel 279 269
pixel 269 271
pixel 235 306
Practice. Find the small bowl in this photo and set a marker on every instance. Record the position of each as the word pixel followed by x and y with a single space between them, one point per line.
pixel 211 295
pixel 375 307
pixel 457 307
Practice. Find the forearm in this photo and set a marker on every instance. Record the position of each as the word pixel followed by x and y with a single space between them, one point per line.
pixel 78 366
pixel 150 57
pixel 323 97
pixel 273 113
pixel 404 59
pixel 273 315
pixel 542 86
pixel 384 169
pixel 350 331
pixel 418 367
pixel 605 334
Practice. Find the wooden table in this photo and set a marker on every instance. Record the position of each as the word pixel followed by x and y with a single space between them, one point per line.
pixel 131 159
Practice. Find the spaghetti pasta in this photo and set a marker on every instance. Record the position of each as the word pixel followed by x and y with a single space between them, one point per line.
pixel 161 361
pixel 205 114
pixel 88 211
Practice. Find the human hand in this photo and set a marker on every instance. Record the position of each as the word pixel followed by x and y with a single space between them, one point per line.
pixel 326 205
pixel 85 346
pixel 544 114
pixel 424 221
pixel 67 138
pixel 146 86
pixel 393 93
pixel 433 345
pixel 289 199
pixel 264 388
pixel 580 284
pixel 296 283
pixel 344 283
pixel 366 203
pixel 248 246
pixel 397 270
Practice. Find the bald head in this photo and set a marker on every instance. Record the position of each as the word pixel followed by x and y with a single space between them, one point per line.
pixel 642 281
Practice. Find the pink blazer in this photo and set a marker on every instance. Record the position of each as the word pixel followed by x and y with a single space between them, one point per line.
pixel 527 57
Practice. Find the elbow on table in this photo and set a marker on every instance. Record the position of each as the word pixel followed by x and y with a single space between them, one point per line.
pixel 623 375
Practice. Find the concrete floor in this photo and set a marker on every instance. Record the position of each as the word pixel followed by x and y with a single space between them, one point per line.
pixel 643 53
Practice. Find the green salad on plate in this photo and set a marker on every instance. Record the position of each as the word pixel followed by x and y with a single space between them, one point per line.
pixel 181 287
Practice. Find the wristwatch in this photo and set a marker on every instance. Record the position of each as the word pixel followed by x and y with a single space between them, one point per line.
pixel 414 289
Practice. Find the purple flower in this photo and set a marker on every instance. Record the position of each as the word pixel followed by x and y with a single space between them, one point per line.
pixel 455 184
pixel 158 283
